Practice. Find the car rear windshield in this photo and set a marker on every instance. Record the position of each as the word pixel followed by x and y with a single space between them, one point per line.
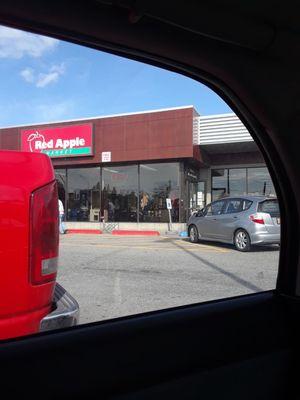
pixel 269 206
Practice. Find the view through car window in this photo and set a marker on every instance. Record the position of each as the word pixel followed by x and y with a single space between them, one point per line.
pixel 164 198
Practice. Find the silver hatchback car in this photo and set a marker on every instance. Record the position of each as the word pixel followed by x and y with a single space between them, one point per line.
pixel 242 221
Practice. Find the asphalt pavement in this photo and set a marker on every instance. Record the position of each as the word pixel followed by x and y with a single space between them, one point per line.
pixel 112 276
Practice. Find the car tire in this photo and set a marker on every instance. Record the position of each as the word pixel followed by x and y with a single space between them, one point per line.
pixel 242 240
pixel 193 234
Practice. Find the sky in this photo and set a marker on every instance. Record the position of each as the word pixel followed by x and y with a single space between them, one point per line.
pixel 44 80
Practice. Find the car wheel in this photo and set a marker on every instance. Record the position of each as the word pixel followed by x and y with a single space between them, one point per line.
pixel 242 240
pixel 194 235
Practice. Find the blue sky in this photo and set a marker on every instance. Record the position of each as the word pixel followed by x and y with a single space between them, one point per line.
pixel 44 80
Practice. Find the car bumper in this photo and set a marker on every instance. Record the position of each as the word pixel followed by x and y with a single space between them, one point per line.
pixel 65 311
pixel 265 238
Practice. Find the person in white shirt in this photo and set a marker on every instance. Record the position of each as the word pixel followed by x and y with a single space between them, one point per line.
pixel 61 212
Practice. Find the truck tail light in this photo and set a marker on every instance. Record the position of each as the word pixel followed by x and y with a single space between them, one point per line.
pixel 257 218
pixel 44 234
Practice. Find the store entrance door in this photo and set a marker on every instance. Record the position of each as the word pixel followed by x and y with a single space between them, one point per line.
pixel 201 195
pixel 192 197
pixel 196 196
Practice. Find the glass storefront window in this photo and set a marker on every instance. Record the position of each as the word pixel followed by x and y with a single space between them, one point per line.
pixel 241 181
pixel 120 193
pixel 192 196
pixel 259 182
pixel 122 197
pixel 237 182
pixel 61 178
pixel 219 183
pixel 127 197
pixel 201 194
pixel 83 202
pixel 157 183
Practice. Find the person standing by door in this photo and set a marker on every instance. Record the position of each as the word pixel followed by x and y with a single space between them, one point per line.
pixel 61 212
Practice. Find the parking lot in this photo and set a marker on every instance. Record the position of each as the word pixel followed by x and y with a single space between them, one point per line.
pixel 113 276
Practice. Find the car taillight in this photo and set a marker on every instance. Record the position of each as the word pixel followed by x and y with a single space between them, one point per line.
pixel 44 234
pixel 258 219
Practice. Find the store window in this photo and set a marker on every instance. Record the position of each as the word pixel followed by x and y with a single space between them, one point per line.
pixel 259 182
pixel 157 183
pixel 120 193
pixel 83 202
pixel 201 194
pixel 219 183
pixel 241 181
pixel 61 178
pixel 237 181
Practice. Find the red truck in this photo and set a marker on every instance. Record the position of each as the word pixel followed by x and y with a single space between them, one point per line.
pixel 30 299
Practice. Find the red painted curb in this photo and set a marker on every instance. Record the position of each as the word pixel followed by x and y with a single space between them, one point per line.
pixel 88 231
pixel 140 233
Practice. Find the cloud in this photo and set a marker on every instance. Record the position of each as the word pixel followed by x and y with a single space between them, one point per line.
pixel 28 75
pixel 41 79
pixel 17 44
pixel 52 76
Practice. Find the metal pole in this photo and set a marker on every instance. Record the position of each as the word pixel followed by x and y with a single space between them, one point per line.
pixel 170 220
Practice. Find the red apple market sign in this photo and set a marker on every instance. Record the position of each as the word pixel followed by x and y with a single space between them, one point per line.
pixel 59 141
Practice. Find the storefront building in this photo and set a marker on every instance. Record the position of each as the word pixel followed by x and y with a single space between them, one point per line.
pixel 122 169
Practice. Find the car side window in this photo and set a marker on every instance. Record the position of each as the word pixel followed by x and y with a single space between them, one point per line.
pixel 130 179
pixel 234 206
pixel 247 204
pixel 217 207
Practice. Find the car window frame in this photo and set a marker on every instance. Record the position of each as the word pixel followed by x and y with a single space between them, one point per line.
pixel 288 281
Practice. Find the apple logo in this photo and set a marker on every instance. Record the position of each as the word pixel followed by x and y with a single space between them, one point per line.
pixel 33 138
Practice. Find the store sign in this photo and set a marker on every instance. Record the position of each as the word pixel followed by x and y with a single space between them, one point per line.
pixel 192 174
pixel 62 141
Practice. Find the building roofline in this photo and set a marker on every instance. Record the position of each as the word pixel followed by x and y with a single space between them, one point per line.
pixel 99 117
pixel 218 115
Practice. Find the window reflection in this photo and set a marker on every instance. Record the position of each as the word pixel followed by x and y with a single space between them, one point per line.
pixel 237 182
pixel 241 181
pixel 219 183
pixel 157 183
pixel 130 193
pixel 61 178
pixel 83 202
pixel 120 193
pixel 259 182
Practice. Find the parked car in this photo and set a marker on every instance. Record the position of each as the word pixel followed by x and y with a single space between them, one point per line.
pixel 243 221
pixel 31 300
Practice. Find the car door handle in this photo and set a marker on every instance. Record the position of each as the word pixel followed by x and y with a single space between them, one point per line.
pixel 235 217
pixel 214 219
